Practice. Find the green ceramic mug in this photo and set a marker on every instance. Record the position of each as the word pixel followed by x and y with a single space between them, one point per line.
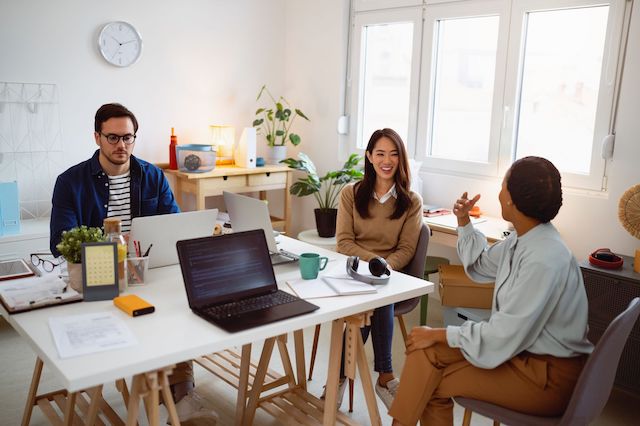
pixel 311 264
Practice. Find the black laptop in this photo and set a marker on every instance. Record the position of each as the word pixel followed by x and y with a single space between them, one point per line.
pixel 230 281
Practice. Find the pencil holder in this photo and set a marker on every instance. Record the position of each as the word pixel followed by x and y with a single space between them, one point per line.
pixel 137 268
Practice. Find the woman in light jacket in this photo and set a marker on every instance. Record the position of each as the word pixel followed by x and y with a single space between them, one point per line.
pixel 529 354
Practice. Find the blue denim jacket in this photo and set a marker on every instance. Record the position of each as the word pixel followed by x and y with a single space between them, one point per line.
pixel 81 196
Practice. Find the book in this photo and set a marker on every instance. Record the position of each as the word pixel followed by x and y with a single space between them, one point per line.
pixel 329 286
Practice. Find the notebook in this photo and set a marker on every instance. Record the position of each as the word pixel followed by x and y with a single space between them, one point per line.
pixel 230 282
pixel 164 230
pixel 248 213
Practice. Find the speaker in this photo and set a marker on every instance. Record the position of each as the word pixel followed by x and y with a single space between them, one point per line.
pixel 245 152
pixel 377 266
pixel 605 258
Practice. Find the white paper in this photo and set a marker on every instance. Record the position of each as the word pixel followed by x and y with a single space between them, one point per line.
pixel 345 285
pixel 311 289
pixel 35 291
pixel 88 333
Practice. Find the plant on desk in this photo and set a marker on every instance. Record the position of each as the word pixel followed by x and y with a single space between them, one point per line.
pixel 275 122
pixel 70 247
pixel 325 189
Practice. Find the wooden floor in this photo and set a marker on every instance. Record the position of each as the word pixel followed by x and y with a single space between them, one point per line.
pixel 18 361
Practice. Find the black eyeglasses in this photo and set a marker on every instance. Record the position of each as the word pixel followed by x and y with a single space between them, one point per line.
pixel 47 265
pixel 113 139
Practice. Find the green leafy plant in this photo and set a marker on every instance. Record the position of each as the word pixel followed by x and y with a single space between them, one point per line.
pixel 70 246
pixel 325 189
pixel 275 121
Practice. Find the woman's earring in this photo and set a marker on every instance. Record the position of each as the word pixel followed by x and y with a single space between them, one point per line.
pixel 508 203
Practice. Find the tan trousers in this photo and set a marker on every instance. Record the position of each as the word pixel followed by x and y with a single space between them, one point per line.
pixel 529 383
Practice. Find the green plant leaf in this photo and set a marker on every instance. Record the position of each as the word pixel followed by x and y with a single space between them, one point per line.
pixel 279 106
pixel 262 89
pixel 270 139
pixel 295 139
pixel 259 110
pixel 279 132
pixel 301 114
pixel 257 122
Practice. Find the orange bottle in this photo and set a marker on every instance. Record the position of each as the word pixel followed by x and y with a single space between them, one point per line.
pixel 173 162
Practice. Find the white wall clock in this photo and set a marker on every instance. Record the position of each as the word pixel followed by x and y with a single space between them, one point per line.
pixel 120 43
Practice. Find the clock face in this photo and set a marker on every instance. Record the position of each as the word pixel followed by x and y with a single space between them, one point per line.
pixel 120 43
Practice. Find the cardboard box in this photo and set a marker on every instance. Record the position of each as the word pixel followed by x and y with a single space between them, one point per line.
pixel 456 289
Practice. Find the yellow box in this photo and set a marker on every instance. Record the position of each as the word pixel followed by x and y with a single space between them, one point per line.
pixel 458 290
pixel 133 305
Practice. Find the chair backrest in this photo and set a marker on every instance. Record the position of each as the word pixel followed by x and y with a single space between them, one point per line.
pixel 416 266
pixel 596 380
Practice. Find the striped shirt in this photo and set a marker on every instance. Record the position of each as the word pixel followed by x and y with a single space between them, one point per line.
pixel 120 199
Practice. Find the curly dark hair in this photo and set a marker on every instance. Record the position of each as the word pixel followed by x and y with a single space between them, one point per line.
pixel 535 188
pixel 365 187
pixel 108 111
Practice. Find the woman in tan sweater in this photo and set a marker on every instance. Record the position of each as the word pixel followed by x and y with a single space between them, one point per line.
pixel 380 216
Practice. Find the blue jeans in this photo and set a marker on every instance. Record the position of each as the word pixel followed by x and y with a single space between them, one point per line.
pixel 381 329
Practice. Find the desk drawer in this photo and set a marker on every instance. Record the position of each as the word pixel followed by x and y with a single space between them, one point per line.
pixel 224 182
pixel 267 179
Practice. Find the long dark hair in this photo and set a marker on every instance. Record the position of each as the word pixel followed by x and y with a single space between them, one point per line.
pixel 535 187
pixel 366 186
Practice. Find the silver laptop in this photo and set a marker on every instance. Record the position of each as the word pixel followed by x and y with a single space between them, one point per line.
pixel 163 231
pixel 248 213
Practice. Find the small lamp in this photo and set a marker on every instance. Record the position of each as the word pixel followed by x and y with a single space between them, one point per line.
pixel 223 138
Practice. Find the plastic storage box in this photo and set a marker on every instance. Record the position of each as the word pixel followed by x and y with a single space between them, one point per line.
pixel 196 158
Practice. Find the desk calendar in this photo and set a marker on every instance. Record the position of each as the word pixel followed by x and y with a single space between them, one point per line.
pixel 99 271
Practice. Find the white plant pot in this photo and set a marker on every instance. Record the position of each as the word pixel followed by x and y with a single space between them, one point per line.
pixel 276 154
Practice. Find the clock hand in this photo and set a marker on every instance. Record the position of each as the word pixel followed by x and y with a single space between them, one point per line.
pixel 127 42
pixel 117 41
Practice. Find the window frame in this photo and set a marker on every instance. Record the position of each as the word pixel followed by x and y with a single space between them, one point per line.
pixel 381 17
pixel 508 76
pixel 596 178
pixel 460 9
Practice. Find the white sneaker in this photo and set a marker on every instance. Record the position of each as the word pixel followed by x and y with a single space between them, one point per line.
pixel 387 394
pixel 192 407
pixel 342 385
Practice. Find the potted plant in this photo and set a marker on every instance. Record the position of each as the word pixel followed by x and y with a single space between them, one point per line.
pixel 325 189
pixel 70 247
pixel 275 122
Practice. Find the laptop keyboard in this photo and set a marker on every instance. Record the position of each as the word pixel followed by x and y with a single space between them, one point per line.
pixel 257 303
pixel 286 255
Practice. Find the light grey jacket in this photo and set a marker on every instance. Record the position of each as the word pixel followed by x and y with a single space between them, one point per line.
pixel 539 301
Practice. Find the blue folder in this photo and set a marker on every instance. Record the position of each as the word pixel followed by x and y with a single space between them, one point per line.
pixel 9 209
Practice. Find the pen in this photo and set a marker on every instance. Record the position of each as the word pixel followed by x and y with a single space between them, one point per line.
pixel 146 253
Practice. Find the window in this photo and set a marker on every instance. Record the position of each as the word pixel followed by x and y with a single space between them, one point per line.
pixel 387 71
pixel 496 80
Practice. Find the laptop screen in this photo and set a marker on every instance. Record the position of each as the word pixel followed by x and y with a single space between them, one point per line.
pixel 225 268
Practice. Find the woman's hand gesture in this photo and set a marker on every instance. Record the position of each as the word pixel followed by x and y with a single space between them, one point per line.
pixel 463 206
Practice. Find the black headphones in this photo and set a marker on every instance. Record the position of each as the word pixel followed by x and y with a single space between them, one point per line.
pixel 377 266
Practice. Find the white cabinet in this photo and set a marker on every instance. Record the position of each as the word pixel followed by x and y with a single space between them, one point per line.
pixel 33 238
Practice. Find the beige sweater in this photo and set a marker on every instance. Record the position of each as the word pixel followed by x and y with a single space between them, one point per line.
pixel 395 240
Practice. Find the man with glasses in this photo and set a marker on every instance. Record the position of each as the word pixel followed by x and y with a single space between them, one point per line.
pixel 111 183
pixel 115 183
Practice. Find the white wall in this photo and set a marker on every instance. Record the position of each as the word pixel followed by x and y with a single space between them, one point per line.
pixel 586 221
pixel 203 63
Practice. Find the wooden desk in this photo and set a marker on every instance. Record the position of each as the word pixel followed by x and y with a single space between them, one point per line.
pixel 192 336
pixel 236 179
pixel 445 229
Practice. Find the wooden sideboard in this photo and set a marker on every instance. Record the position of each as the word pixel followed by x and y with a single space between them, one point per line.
pixel 236 179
